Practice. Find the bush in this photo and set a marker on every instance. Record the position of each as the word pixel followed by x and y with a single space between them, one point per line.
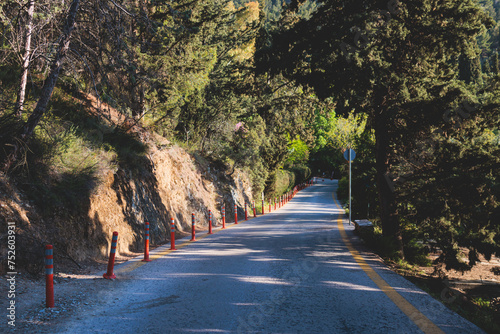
pixel 343 191
pixel 285 180
pixel 302 173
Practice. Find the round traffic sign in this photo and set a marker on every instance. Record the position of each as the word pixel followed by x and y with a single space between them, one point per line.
pixel 352 154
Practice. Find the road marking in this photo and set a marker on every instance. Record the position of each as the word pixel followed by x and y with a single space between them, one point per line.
pixel 411 311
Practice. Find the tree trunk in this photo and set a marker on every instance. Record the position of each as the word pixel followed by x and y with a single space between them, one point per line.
pixel 26 61
pixel 55 68
pixel 387 198
pixel 48 86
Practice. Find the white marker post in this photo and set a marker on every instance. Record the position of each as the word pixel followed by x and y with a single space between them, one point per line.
pixel 349 155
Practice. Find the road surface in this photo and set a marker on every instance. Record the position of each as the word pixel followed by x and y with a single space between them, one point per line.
pixel 291 271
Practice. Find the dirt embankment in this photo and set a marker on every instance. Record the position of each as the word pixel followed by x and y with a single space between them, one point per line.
pixel 170 183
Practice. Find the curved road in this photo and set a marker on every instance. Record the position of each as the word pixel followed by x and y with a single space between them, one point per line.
pixel 291 271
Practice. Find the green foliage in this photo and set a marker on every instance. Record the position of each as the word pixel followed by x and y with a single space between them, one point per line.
pixel 495 65
pixel 362 60
pixel 285 180
pixel 298 152
pixel 343 190
pixel 61 168
pixel 384 246
pixel 344 131
pixel 302 173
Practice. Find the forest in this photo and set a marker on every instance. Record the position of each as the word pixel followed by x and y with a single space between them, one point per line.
pixel 273 88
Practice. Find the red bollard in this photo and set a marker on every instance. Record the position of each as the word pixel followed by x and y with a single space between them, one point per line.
pixel 193 232
pixel 172 234
pixel 269 205
pixel 235 214
pixel 111 263
pixel 254 210
pixel 246 211
pixel 210 222
pixel 223 216
pixel 49 276
pixel 262 206
pixel 146 243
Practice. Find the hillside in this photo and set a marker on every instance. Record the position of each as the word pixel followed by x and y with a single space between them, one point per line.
pixel 170 182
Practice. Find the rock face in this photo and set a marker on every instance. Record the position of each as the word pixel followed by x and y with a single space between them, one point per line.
pixel 173 184
pixel 169 182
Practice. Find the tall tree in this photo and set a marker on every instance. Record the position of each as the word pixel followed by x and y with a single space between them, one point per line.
pixel 48 87
pixel 495 65
pixel 26 60
pixel 379 58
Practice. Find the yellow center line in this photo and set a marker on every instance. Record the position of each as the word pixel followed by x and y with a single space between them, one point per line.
pixel 426 325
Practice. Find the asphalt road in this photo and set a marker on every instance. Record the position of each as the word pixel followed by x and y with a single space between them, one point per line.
pixel 285 272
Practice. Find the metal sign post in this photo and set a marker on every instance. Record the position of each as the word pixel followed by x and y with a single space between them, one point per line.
pixel 349 155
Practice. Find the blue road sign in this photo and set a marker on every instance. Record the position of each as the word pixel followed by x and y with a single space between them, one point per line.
pixel 346 154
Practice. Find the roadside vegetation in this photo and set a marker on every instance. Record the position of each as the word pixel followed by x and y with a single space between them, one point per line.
pixel 277 89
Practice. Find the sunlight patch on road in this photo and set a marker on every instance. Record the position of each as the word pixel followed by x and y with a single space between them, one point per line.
pixel 204 330
pixel 262 280
pixel 327 254
pixel 245 304
pixel 267 259
pixel 350 286
pixel 221 252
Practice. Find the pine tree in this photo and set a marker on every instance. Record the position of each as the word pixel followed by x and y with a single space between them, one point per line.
pixel 486 67
pixel 358 53
pixel 476 71
pixel 495 66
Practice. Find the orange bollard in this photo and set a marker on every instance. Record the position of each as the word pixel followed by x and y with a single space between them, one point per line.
pixel 111 263
pixel 254 210
pixel 49 276
pixel 269 205
pixel 193 229
pixel 262 206
pixel 223 216
pixel 210 222
pixel 172 234
pixel 235 214
pixel 146 243
pixel 246 211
